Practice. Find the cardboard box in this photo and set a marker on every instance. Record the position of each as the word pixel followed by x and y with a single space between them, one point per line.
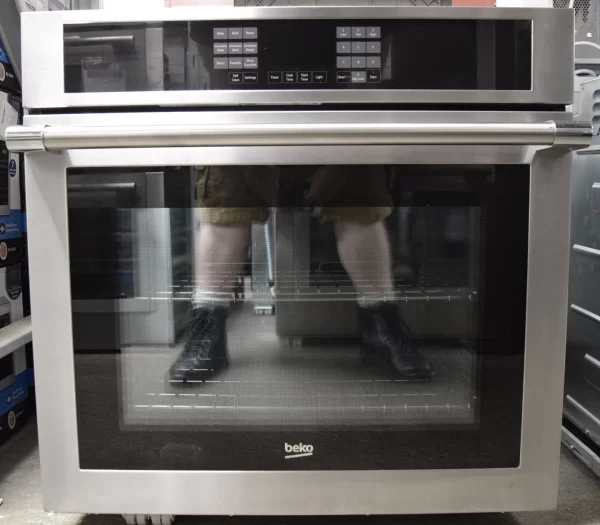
pixel 15 402
pixel 26 6
pixel 8 79
pixel 11 217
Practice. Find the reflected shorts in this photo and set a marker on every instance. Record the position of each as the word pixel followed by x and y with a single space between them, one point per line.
pixel 244 194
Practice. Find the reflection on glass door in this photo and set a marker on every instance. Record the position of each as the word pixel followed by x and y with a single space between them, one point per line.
pixel 374 312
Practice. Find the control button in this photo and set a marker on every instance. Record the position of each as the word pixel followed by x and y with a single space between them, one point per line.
pixel 220 49
pixel 374 62
pixel 274 77
pixel 373 32
pixel 343 32
pixel 235 63
pixel 359 62
pixel 358 48
pixel 359 77
pixel 250 48
pixel 304 77
pixel 235 48
pixel 343 48
pixel 250 62
pixel 250 78
pixel 344 62
pixel 343 77
pixel 235 78
pixel 235 33
pixel 320 77
pixel 289 76
pixel 373 75
pixel 220 33
pixel 358 32
pixel 250 33
pixel 221 63
pixel 374 48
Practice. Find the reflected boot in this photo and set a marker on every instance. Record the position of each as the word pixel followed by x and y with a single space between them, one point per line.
pixel 205 351
pixel 385 342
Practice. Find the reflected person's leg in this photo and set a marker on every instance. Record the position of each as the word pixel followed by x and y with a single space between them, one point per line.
pixel 364 250
pixel 220 252
pixel 227 208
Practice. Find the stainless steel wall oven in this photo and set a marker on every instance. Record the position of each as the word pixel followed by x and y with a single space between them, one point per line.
pixel 397 212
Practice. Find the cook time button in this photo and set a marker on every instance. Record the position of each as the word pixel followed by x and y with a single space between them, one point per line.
pixel 289 77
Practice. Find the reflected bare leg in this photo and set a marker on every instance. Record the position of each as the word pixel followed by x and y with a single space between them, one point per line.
pixel 364 250
pixel 220 252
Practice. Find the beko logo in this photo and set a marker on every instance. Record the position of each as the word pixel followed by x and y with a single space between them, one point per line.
pixel 298 451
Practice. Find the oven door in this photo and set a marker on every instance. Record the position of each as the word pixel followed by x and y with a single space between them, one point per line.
pixel 456 223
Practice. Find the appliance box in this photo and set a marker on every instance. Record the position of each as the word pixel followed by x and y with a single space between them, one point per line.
pixel 15 402
pixel 8 79
pixel 11 236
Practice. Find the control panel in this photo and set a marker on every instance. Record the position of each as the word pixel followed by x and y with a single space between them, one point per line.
pixel 301 54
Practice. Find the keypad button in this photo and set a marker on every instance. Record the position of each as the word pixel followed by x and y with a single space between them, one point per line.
pixel 250 62
pixel 374 48
pixel 358 48
pixel 221 63
pixel 373 75
pixel 235 48
pixel 235 33
pixel 374 62
pixel 304 77
pixel 274 77
pixel 359 77
pixel 289 76
pixel 250 48
pixel 359 62
pixel 250 33
pixel 358 32
pixel 235 63
pixel 235 78
pixel 320 77
pixel 344 62
pixel 373 32
pixel 250 78
pixel 343 48
pixel 343 77
pixel 220 33
pixel 343 32
pixel 220 49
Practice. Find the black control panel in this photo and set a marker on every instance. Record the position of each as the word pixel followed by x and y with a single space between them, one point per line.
pixel 396 54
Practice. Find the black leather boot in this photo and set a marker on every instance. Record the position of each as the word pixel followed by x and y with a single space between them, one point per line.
pixel 385 342
pixel 205 351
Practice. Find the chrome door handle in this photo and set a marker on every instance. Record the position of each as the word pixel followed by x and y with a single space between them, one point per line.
pixel 57 138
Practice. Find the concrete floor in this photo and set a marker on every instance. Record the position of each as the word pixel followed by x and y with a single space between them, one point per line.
pixel 579 499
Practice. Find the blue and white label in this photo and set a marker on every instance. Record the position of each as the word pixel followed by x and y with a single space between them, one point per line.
pixel 10 225
pixel 15 393
pixel 12 167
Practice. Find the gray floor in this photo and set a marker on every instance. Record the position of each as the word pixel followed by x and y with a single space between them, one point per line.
pixel 579 499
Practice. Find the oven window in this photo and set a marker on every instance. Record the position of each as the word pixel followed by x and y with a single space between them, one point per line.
pixel 344 317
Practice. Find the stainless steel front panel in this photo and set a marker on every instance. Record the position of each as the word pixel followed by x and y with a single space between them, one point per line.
pixel 530 485
pixel 43 66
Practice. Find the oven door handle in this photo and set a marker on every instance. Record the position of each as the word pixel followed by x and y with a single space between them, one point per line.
pixel 58 138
